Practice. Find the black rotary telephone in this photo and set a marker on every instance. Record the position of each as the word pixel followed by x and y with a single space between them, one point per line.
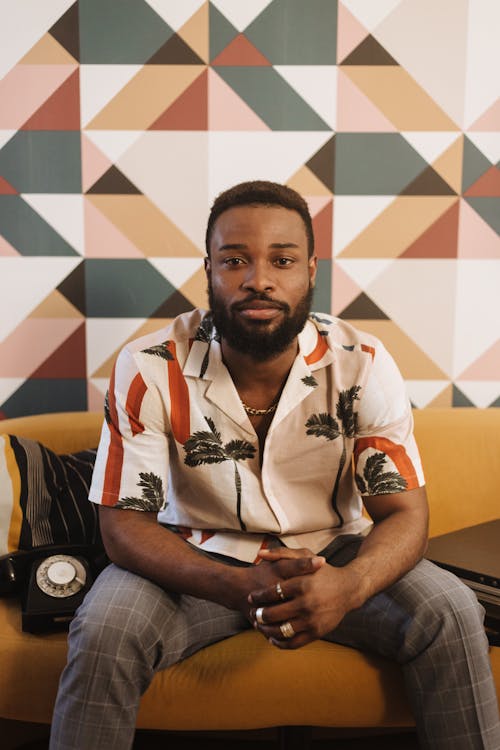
pixel 52 582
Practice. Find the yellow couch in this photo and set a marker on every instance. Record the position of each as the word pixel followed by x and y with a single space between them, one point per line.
pixel 243 682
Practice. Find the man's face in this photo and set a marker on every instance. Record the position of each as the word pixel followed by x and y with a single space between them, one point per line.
pixel 260 278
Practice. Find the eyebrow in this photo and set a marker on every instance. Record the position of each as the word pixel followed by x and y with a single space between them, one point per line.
pixel 274 246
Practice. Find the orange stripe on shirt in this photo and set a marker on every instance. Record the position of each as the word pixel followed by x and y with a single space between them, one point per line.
pixel 318 351
pixel 114 463
pixel 369 349
pixel 396 453
pixel 179 397
pixel 134 402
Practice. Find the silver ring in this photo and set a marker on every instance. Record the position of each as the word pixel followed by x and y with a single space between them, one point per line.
pixel 279 591
pixel 287 630
pixel 258 615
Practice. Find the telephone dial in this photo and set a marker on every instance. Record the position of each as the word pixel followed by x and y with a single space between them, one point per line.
pixel 52 582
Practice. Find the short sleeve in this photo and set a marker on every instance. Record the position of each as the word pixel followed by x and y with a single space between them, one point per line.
pixel 131 467
pixel 386 456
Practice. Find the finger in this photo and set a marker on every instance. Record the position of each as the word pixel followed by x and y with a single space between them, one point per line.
pixel 272 614
pixel 293 643
pixel 281 553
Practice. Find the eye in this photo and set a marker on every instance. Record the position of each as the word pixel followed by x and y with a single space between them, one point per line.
pixel 233 261
pixel 283 262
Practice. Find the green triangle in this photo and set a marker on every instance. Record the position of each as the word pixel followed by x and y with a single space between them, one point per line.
pixel 66 31
pixel 28 232
pixel 222 32
pixel 363 308
pixel 113 182
pixel 369 52
pixel 459 398
pixel 271 97
pixel 429 182
pixel 128 32
pixel 475 164
pixel 175 51
pixel 488 209
pixel 322 164
pixel 290 32
pixel 43 161
pixel 495 404
pixel 45 396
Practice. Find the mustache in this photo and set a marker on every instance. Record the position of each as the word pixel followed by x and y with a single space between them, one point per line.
pixel 261 297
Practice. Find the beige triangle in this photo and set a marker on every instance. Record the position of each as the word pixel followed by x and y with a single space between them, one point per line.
pixel 48 51
pixel 195 289
pixel 396 228
pixel 413 363
pixel 145 225
pixel 305 182
pixel 399 97
pixel 145 97
pixel 195 33
pixel 449 165
pixel 56 306
pixel 443 400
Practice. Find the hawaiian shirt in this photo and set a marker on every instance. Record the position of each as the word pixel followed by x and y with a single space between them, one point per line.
pixel 176 439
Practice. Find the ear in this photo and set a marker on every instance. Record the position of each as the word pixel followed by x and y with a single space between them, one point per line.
pixel 208 267
pixel 313 269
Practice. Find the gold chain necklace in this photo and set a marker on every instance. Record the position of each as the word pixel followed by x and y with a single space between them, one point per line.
pixel 259 412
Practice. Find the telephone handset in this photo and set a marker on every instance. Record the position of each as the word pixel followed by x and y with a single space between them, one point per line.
pixel 52 582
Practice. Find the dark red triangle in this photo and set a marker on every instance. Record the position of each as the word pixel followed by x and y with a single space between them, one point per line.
pixel 189 111
pixel 6 188
pixel 68 361
pixel 487 186
pixel 240 51
pixel 323 225
pixel 61 111
pixel 440 240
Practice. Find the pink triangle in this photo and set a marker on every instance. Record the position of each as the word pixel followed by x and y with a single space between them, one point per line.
pixel 94 164
pixel 7 249
pixel 489 120
pixel 486 367
pixel 355 111
pixel 103 239
pixel 41 337
pixel 344 289
pixel 350 33
pixel 95 399
pixel 316 203
pixel 226 110
pixel 476 239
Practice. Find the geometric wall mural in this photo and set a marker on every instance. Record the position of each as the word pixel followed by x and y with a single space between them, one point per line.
pixel 120 123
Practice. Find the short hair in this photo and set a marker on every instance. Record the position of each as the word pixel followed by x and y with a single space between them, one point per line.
pixel 260 192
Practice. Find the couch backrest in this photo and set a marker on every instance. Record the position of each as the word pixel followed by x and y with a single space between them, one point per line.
pixel 460 451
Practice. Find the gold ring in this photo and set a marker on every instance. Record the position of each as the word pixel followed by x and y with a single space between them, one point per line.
pixel 287 630
pixel 279 591
pixel 258 615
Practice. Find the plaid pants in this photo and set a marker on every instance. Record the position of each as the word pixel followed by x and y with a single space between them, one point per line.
pixel 128 628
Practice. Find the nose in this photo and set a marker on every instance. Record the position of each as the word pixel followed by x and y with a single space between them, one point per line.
pixel 259 277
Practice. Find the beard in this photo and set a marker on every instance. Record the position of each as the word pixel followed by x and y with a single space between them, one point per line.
pixel 252 337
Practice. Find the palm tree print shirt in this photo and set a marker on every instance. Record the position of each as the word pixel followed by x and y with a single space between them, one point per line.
pixel 176 439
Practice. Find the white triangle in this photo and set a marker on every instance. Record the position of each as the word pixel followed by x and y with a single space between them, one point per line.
pixel 352 214
pixel 483 58
pixel 267 155
pixel 477 314
pixel 175 14
pixel 99 84
pixel 170 167
pixel 482 393
pixel 177 270
pixel 488 143
pixel 240 13
pixel 430 145
pixel 25 282
pixel 317 85
pixel 419 296
pixel 23 24
pixel 105 336
pixel 64 213
pixel 370 13
pixel 113 143
pixel 5 136
pixel 422 392
pixel 364 270
pixel 8 386
pixel 101 384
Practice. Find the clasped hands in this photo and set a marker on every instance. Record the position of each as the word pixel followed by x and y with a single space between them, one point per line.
pixel 308 600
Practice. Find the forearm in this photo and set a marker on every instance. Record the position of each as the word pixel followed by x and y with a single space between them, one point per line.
pixel 394 546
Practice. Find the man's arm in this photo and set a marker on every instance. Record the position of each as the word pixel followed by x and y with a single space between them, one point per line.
pixel 317 603
pixel 134 540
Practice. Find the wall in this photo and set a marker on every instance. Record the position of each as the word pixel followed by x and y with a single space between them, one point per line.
pixel 120 122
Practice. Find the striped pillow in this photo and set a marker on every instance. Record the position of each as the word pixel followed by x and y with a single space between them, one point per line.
pixel 44 497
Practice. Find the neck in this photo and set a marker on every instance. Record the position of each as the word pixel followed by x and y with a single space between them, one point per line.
pixel 248 373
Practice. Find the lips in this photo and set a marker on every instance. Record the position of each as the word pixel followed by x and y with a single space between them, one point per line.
pixel 258 309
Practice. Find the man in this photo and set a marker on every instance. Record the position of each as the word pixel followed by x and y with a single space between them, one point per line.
pixel 237 431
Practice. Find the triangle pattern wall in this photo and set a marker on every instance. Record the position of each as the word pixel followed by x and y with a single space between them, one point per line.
pixel 121 122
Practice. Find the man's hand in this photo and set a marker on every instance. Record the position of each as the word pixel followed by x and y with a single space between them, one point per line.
pixel 313 605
